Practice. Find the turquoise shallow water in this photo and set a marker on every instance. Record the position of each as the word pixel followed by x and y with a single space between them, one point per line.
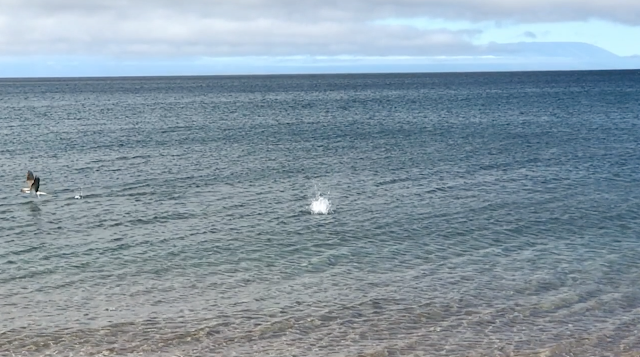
pixel 472 214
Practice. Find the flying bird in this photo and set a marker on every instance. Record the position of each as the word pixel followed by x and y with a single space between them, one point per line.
pixel 33 183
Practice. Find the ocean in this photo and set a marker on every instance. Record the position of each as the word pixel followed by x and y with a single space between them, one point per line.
pixel 451 214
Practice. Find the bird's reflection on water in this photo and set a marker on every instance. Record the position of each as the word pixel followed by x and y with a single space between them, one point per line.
pixel 35 210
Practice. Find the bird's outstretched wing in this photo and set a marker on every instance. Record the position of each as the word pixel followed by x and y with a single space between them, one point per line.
pixel 30 178
pixel 36 184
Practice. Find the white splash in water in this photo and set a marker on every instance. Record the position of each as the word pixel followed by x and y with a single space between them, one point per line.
pixel 77 197
pixel 320 205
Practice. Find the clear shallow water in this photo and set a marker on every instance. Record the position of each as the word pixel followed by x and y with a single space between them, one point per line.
pixel 471 214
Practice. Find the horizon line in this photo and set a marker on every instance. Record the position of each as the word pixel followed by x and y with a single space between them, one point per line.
pixel 54 77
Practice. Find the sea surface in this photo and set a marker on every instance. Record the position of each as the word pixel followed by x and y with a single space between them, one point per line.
pixel 468 214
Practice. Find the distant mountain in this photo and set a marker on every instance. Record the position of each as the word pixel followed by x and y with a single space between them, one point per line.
pixel 520 56
pixel 572 50
pixel 556 56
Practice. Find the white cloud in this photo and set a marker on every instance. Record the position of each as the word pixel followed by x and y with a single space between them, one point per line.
pixel 164 33
pixel 269 27
pixel 625 11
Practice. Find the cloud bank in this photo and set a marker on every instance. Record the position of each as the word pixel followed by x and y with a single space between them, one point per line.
pixel 226 28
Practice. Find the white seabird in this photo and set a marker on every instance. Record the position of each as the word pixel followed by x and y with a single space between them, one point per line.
pixel 33 183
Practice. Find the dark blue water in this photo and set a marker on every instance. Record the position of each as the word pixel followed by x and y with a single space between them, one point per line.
pixel 470 214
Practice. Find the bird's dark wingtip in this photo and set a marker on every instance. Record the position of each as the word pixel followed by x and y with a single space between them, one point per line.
pixel 36 184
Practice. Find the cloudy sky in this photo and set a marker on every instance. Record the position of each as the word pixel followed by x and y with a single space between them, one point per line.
pixel 54 36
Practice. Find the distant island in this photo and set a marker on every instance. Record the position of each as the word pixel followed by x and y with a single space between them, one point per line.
pixel 520 56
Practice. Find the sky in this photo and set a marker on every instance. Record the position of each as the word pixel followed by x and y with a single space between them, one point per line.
pixel 125 37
